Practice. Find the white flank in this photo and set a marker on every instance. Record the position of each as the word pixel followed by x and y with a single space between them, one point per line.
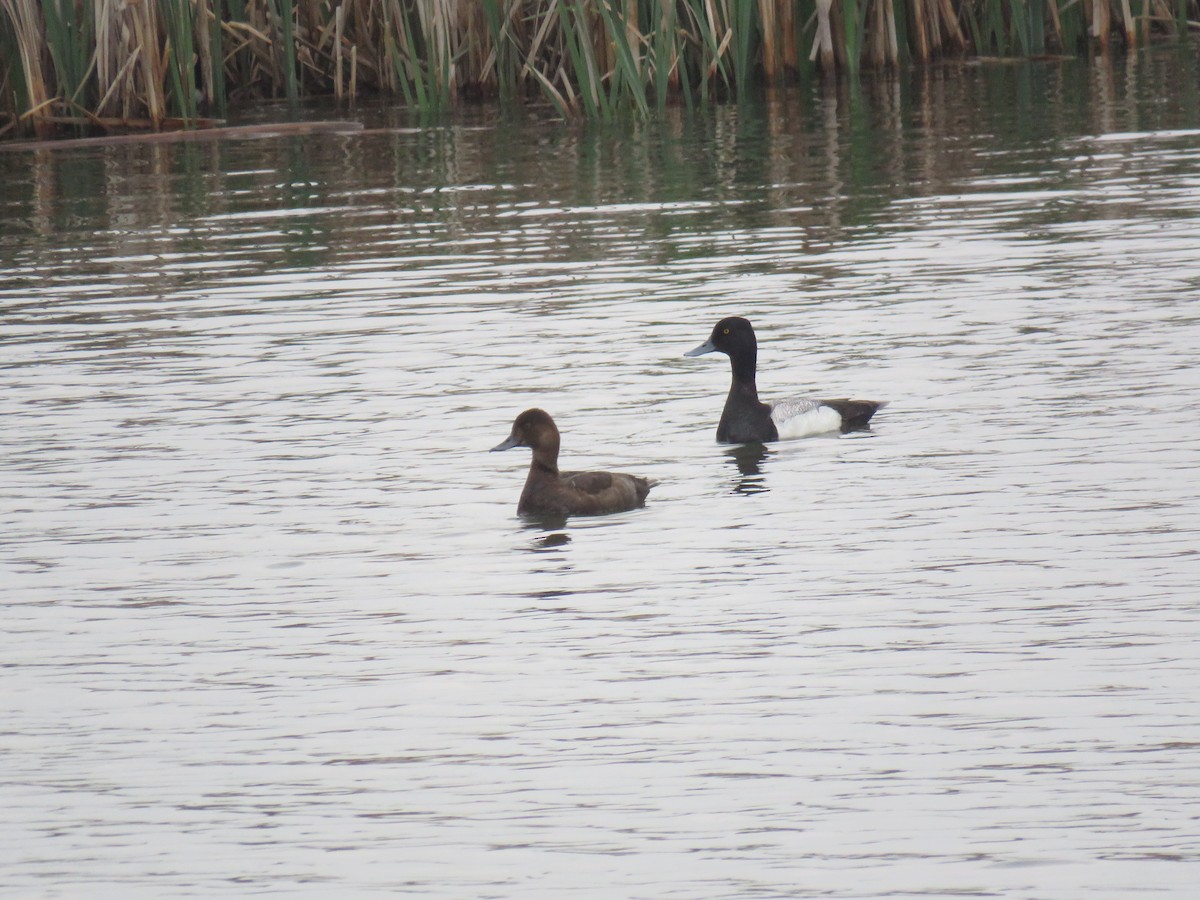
pixel 800 417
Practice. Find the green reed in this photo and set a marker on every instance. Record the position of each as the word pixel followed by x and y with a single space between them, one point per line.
pixel 216 56
pixel 108 61
pixel 12 74
pixel 502 57
pixel 69 42
pixel 283 12
pixel 627 41
pixel 177 16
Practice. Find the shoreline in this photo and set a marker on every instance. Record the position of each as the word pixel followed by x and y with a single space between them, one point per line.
pixel 146 65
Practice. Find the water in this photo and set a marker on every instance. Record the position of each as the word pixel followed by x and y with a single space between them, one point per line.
pixel 272 627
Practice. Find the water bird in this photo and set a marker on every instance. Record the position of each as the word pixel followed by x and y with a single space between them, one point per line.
pixel 551 492
pixel 746 418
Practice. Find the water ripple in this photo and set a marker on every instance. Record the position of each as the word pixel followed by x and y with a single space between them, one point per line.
pixel 272 625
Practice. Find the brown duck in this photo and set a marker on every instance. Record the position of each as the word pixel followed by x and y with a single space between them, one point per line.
pixel 551 492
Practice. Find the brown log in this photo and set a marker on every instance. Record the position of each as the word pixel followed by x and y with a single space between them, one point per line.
pixel 230 132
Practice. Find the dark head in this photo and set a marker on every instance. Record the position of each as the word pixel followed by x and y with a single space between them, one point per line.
pixel 733 336
pixel 533 428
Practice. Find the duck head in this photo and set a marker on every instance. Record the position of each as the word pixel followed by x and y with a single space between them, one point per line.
pixel 533 428
pixel 733 336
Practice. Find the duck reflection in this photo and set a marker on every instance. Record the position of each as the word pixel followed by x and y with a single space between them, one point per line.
pixel 749 460
pixel 552 527
pixel 550 541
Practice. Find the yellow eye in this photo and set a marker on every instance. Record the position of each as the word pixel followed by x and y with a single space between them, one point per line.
pixel 726 330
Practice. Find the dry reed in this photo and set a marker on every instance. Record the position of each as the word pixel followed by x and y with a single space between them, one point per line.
pixel 112 63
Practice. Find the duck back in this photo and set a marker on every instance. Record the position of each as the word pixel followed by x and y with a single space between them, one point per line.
pixel 582 493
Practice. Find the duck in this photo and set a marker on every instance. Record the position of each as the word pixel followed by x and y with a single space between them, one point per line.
pixel 551 492
pixel 746 418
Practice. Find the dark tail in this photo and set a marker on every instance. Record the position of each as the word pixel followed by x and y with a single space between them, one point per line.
pixel 856 414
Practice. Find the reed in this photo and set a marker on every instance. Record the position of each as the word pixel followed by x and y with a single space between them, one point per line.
pixel 180 51
pixel 25 27
pixel 69 43
pixel 112 63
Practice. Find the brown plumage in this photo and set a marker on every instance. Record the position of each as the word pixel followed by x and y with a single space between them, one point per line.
pixel 551 492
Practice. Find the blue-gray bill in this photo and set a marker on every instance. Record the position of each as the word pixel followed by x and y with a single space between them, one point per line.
pixel 507 444
pixel 706 347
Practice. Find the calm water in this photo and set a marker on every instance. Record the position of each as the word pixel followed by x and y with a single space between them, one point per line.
pixel 272 626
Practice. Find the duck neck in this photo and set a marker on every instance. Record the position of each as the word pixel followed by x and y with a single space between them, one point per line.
pixel 545 457
pixel 744 366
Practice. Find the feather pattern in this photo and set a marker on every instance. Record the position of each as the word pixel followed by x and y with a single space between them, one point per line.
pixel 798 417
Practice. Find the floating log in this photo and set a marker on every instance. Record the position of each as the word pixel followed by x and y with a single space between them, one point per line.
pixel 227 132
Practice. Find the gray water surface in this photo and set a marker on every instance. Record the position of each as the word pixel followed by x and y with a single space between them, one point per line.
pixel 272 627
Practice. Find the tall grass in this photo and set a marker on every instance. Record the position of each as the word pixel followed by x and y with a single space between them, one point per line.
pixel 26 31
pixel 113 63
pixel 180 29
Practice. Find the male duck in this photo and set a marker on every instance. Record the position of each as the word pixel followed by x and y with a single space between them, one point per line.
pixel 551 492
pixel 745 418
